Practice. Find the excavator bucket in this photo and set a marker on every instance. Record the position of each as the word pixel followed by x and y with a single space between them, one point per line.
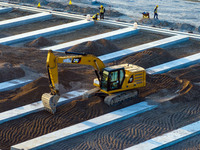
pixel 50 102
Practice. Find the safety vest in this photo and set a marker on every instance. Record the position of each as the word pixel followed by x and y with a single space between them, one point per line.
pixel 94 16
pixel 155 9
pixel 102 10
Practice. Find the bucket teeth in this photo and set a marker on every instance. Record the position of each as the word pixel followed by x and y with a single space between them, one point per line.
pixel 50 102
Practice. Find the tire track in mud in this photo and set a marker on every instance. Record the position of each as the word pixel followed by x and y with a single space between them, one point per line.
pixel 137 129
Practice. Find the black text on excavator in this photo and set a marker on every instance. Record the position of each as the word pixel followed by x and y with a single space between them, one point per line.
pixel 116 83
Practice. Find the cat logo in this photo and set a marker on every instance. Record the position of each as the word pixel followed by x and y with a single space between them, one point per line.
pixel 76 60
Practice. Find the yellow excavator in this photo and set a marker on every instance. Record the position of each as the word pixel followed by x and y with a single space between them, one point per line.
pixel 116 83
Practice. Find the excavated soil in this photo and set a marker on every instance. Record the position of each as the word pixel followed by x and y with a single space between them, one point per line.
pixel 147 58
pixel 97 48
pixel 39 42
pixel 9 72
pixel 33 26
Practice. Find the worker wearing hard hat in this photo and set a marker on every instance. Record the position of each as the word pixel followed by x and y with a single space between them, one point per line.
pixel 156 12
pixel 102 11
pixel 95 16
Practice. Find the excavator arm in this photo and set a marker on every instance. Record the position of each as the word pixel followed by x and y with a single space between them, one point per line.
pixel 50 100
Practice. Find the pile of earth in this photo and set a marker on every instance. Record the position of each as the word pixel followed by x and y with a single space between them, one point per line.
pixel 30 57
pixel 9 72
pixel 39 42
pixel 97 48
pixel 147 58
pixel 27 94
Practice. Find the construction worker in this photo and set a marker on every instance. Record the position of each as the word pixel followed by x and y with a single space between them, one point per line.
pixel 102 11
pixel 95 16
pixel 156 12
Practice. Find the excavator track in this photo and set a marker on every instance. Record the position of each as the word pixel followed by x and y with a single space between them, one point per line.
pixel 120 97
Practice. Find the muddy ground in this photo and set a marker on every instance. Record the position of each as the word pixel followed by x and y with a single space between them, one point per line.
pixel 182 85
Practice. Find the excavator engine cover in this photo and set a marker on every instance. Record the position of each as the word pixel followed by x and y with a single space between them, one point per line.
pixel 50 101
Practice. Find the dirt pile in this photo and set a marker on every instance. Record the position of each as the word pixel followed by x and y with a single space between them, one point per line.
pixel 148 58
pixel 69 80
pixel 39 42
pixel 30 57
pixel 27 94
pixel 9 72
pixel 97 48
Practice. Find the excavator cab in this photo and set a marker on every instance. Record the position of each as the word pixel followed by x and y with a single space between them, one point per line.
pixel 112 79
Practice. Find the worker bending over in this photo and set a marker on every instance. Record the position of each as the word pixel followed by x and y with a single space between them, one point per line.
pixel 155 12
pixel 95 16
pixel 102 11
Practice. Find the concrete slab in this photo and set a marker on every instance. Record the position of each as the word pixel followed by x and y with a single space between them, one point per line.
pixel 176 64
pixel 84 127
pixel 24 20
pixel 5 9
pixel 160 43
pixel 169 138
pixel 13 84
pixel 35 107
pixel 117 34
pixel 46 32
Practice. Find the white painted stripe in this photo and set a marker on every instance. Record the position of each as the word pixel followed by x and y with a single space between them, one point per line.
pixel 109 36
pixel 160 43
pixel 5 9
pixel 85 126
pixel 24 20
pixel 169 138
pixel 176 64
pixel 12 84
pixel 44 32
pixel 35 107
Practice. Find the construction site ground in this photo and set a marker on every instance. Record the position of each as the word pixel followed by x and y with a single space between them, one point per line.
pixel 175 109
